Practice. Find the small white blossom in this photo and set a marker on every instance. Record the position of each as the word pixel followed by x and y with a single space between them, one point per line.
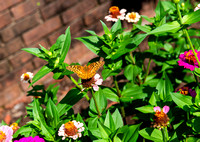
pixel 132 17
pixel 197 7
pixel 98 81
pixel 26 77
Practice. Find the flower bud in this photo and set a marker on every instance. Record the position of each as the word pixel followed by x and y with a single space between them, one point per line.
pixel 182 4
pixel 176 1
pixel 56 62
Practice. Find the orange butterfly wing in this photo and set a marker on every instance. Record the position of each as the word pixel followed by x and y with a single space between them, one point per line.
pixel 86 72
pixel 93 68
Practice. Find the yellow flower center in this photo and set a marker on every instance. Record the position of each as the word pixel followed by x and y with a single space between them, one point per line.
pixel 114 11
pixel 132 15
pixel 184 90
pixel 26 76
pixel 14 126
pixel 190 58
pixel 70 129
pixel 2 136
pixel 160 119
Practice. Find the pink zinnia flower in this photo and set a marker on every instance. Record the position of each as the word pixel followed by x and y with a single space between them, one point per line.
pixel 115 14
pixel 6 133
pixel 160 117
pixel 186 91
pixel 30 139
pixel 188 60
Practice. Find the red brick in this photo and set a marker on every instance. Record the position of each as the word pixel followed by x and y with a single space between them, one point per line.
pixel 27 23
pixel 56 7
pixel 14 76
pixel 39 62
pixel 3 53
pixel 76 26
pixel 7 34
pixel 78 10
pixel 53 37
pixel 26 8
pixel 42 42
pixel 4 4
pixel 96 14
pixel 14 45
pixel 20 58
pixel 10 93
pixel 42 30
pixel 5 19
pixel 4 68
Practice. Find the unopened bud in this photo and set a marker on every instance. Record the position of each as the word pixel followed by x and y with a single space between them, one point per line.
pixel 176 1
pixel 182 4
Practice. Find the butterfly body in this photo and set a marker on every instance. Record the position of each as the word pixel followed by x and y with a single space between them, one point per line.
pixel 86 72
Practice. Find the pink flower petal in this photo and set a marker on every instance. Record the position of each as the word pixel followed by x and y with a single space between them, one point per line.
pixel 166 109
pixel 96 87
pixel 157 108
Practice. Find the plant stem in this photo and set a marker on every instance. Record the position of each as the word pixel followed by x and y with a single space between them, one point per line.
pixel 95 102
pixel 186 34
pixel 147 71
pixel 75 82
pixel 164 134
pixel 196 79
pixel 133 62
pixel 119 95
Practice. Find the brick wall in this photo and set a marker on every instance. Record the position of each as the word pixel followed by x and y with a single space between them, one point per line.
pixel 27 23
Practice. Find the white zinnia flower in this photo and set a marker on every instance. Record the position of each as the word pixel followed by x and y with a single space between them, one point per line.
pixel 115 14
pixel 6 133
pixel 26 77
pixel 71 129
pixel 132 17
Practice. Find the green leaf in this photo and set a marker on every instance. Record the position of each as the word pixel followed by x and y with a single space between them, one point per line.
pixel 160 12
pixel 191 17
pixel 164 88
pixel 116 27
pixel 117 118
pixel 109 122
pixel 196 124
pixel 105 28
pixel 132 134
pixel 72 97
pixel 35 51
pixel 139 38
pixel 184 102
pixel 100 101
pixel 146 109
pixel 104 131
pixel 170 27
pixel 92 43
pixel 151 134
pixel 131 71
pixel 150 20
pixel 144 28
pixel 24 130
pixel 65 46
pixel 133 93
pixel 38 116
pixel 111 94
pixel 41 73
pixel 52 113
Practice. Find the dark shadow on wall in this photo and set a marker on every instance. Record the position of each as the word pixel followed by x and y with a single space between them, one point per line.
pixel 130 5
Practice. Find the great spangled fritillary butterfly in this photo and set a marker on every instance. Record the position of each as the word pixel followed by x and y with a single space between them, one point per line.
pixel 86 72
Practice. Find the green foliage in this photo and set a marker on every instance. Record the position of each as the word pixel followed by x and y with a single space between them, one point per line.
pixel 139 81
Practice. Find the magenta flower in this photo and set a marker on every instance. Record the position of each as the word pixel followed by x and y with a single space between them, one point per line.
pixel 188 60
pixel 30 139
pixel 186 91
pixel 6 133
